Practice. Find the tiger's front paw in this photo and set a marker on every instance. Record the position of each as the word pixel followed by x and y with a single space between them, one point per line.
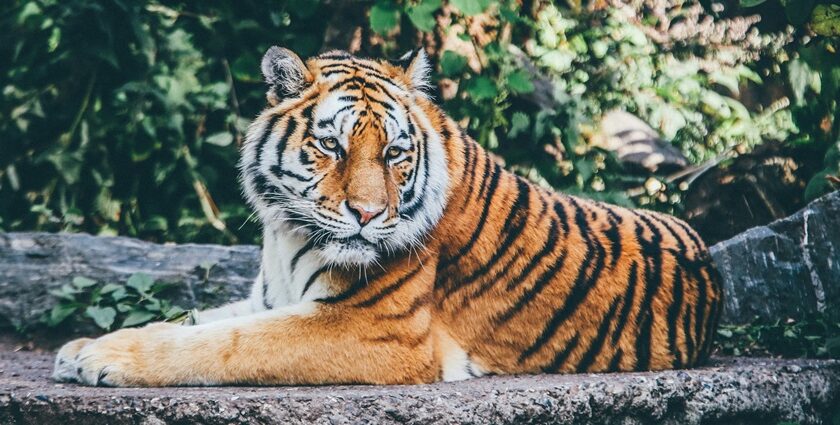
pixel 120 359
pixel 65 369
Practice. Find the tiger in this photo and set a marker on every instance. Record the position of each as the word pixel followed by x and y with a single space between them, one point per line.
pixel 397 250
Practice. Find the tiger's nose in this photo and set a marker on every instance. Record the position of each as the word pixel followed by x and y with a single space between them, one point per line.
pixel 364 213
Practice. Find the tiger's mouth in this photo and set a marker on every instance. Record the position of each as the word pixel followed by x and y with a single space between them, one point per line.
pixel 356 240
pixel 352 250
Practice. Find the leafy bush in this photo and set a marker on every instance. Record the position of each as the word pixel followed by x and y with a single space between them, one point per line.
pixel 140 300
pixel 124 117
pixel 814 337
pixel 596 60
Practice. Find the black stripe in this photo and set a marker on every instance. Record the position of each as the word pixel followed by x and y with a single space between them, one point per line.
pixel 613 234
pixel 714 311
pixel 352 290
pixel 700 318
pixel 561 356
pixel 291 126
pixel 681 245
pixel 279 172
pixel 632 281
pixel 492 280
pixel 615 362
pixel 598 343
pixel 415 204
pixel 511 229
pixel 312 278
pixel 269 129
pixel 413 308
pixel 673 315
pixel 532 292
pixel 309 245
pixel 389 289
pixel 548 246
pixel 266 304
pixel 560 210
pixel 643 340
pixel 494 183
pixel 691 234
pixel 652 251
pixel 689 337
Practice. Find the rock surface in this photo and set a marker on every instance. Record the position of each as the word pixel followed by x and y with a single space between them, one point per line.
pixel 742 391
pixel 637 145
pixel 31 264
pixel 789 268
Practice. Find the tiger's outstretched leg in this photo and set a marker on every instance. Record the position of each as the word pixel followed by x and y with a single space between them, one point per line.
pixel 308 343
pixel 375 329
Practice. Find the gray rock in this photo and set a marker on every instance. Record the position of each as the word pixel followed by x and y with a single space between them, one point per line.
pixel 789 268
pixel 31 264
pixel 638 145
pixel 730 391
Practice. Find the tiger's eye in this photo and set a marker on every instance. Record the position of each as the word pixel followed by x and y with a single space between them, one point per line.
pixel 329 143
pixel 393 152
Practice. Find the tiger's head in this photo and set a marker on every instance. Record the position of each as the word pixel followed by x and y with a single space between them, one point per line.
pixel 347 153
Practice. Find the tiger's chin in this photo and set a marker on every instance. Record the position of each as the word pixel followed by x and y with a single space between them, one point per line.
pixel 349 253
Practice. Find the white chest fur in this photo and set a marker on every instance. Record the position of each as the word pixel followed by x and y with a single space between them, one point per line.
pixel 292 270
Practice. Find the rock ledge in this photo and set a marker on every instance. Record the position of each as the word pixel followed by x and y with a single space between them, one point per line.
pixel 759 391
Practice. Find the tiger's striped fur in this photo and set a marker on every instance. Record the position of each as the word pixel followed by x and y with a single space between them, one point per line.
pixel 420 263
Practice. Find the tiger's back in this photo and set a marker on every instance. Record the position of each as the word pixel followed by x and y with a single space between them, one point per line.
pixel 534 281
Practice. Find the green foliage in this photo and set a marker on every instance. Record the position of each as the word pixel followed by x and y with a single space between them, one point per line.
pixel 813 76
pixel 138 301
pixel 814 337
pixel 594 61
pixel 125 117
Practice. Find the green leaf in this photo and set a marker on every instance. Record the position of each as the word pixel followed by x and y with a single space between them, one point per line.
pixel 519 124
pixel 802 77
pixel 119 294
pixel 452 64
pixel 751 3
pixel 832 346
pixel 726 333
pixel 220 139
pixel 66 292
pixel 102 316
pixel 825 20
pixel 174 311
pixel 384 17
pixel 482 88
pixel 520 82
pixel 110 287
pixel 303 8
pixel 141 282
pixel 471 7
pixel 246 68
pixel 83 282
pixel 59 313
pixel 137 318
pixel 798 11
pixel 422 14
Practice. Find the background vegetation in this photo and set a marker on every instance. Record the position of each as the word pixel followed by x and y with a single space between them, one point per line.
pixel 123 117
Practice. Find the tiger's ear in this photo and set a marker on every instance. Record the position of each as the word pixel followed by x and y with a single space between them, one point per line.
pixel 416 66
pixel 285 73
